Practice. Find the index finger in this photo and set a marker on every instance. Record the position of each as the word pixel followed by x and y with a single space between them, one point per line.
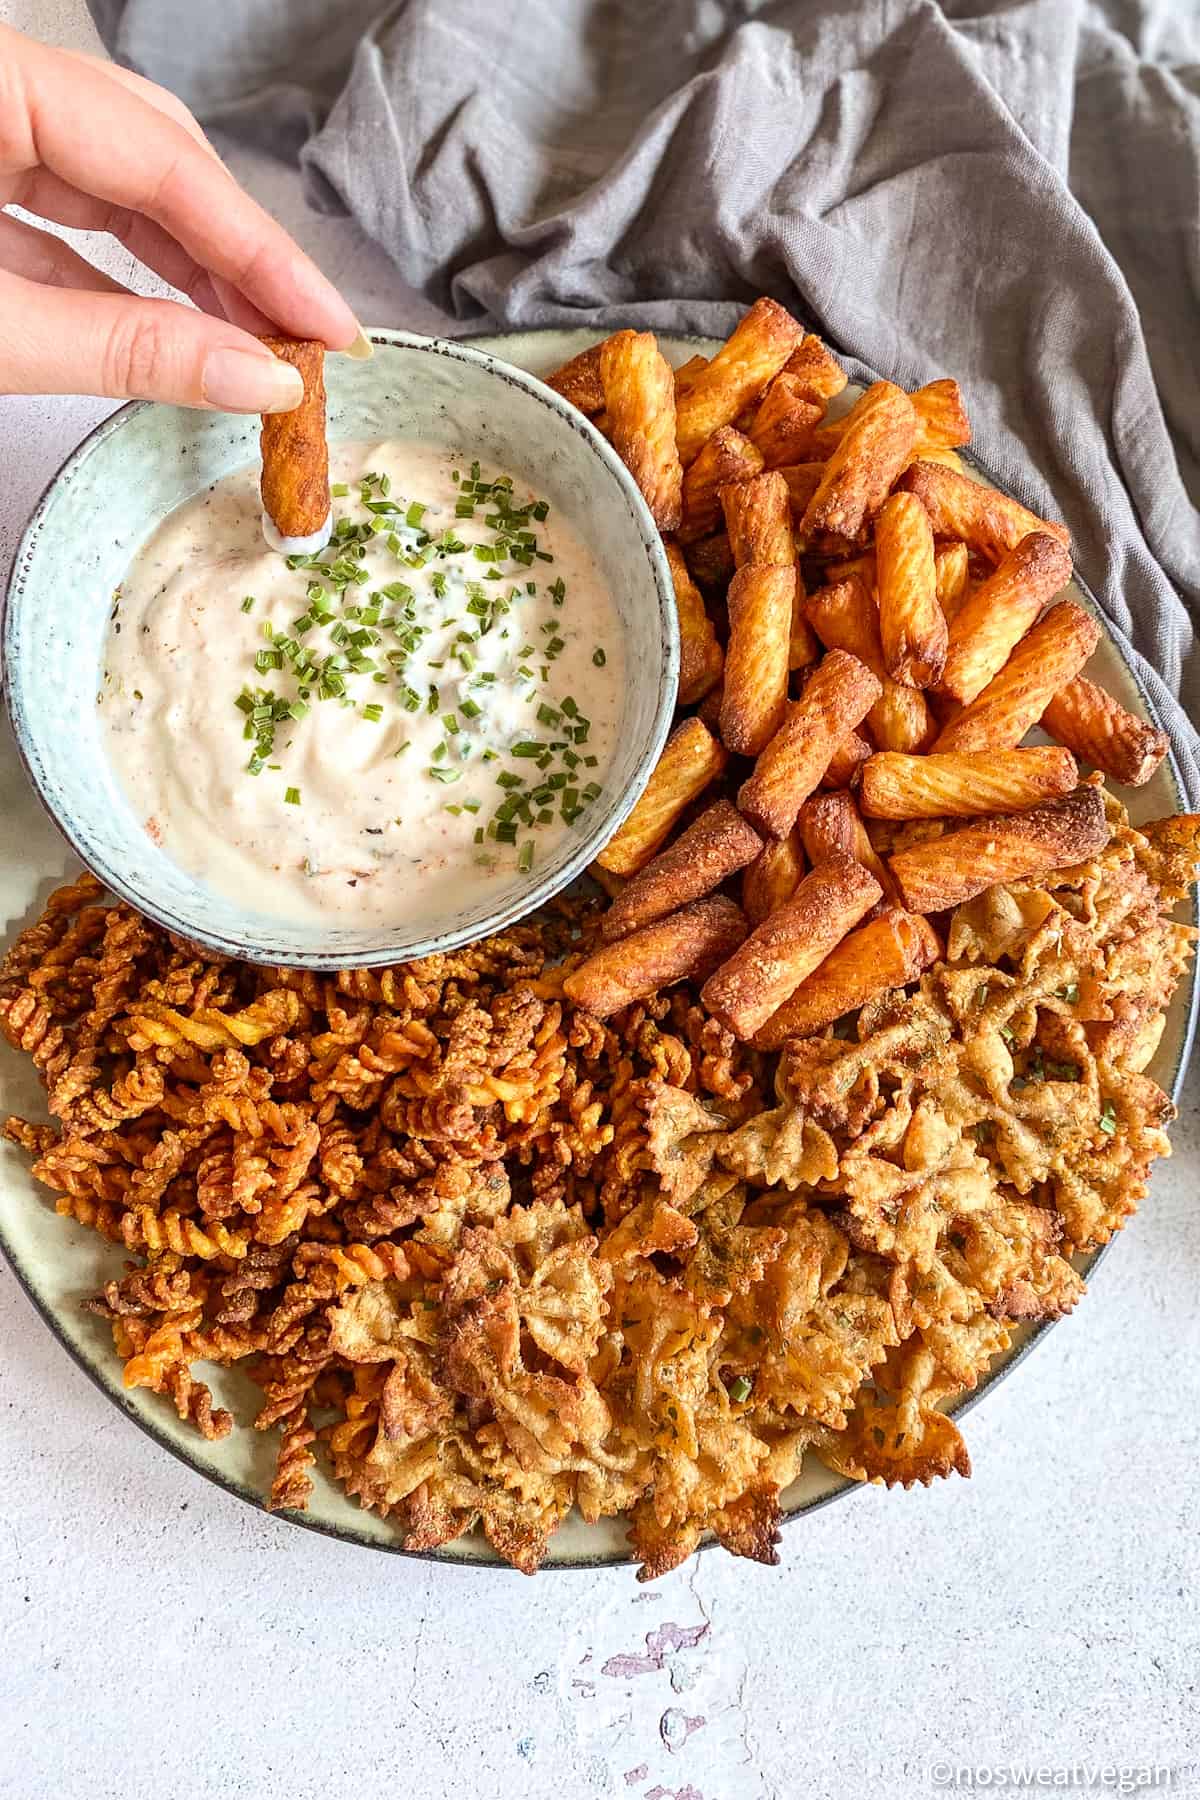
pixel 152 165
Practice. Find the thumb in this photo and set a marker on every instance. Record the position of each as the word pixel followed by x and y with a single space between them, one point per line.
pixel 66 341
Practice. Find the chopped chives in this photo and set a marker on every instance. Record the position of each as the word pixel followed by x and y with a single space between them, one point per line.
pixel 525 857
pixel 292 796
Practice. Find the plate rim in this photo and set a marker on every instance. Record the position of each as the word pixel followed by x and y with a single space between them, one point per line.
pixel 106 1379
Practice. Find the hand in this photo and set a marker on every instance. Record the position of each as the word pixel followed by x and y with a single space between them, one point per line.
pixel 90 145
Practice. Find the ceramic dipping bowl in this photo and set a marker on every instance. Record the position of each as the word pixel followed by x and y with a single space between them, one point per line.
pixel 135 468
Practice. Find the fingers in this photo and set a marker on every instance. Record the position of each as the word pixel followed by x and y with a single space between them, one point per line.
pixel 40 256
pixel 58 109
pixel 52 198
pixel 61 341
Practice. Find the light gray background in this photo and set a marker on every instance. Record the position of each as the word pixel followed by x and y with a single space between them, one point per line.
pixel 159 1638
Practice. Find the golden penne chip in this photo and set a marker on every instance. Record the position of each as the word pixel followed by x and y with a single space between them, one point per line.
pixel 952 576
pixel 947 870
pixel 846 763
pixel 295 448
pixel 803 479
pixel 1048 657
pixel 875 446
pixel 845 617
pixel 912 626
pixel 837 696
pixel 830 824
pixel 941 413
pixel 991 623
pixel 639 398
pixel 687 372
pixel 788 945
pixel 758 518
pixel 580 381
pixel 1102 732
pixel 691 759
pixel 784 421
pixel 773 877
pixel 963 784
pixel 737 374
pixel 683 947
pixel 714 846
pixel 885 953
pixel 820 374
pixel 701 658
pixel 761 599
pixel 985 518
pixel 727 457
pixel 711 563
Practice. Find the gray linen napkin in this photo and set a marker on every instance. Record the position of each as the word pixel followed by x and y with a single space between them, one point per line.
pixel 1005 190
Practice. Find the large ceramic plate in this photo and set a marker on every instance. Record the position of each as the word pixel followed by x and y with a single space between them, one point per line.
pixel 59 1263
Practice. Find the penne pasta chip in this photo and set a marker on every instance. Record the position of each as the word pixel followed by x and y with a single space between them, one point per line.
pixel 1045 660
pixel 687 372
pixel 839 693
pixel 580 381
pixel 611 884
pixel 295 448
pixel 701 658
pixel 758 518
pixel 691 759
pixel 961 508
pixel 1103 733
pixel 845 617
pixel 737 374
pixel 941 416
pixel 709 710
pixel 686 946
pixel 803 647
pixel 639 398
pixel 784 422
pixel 963 784
pixel 819 373
pixel 912 626
pixel 952 577
pixel 887 952
pixel 761 599
pixel 772 877
pixel 793 941
pixel 711 563
pixel 876 444
pixel 941 421
pixel 727 457
pixel 714 846
pixel 830 824
pixel 803 479
pixel 846 763
pixel 945 871
pixel 989 626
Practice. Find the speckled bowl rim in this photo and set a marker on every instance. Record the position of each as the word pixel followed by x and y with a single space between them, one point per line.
pixel 523 901
pixel 105 1381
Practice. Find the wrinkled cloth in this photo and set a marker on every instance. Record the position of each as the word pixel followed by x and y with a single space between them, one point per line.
pixel 1003 190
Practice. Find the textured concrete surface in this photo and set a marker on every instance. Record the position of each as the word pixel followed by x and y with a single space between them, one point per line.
pixel 157 1637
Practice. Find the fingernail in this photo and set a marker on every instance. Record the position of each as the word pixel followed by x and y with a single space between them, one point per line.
pixel 361 348
pixel 240 381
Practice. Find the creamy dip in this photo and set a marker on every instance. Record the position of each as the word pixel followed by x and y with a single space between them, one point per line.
pixel 372 734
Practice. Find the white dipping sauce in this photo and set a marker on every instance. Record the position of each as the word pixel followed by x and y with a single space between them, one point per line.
pixel 368 808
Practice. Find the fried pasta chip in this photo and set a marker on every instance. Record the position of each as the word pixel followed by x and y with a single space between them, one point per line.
pixel 738 373
pixel 1104 733
pixel 876 444
pixel 701 658
pixel 639 397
